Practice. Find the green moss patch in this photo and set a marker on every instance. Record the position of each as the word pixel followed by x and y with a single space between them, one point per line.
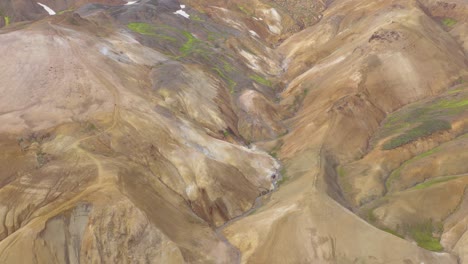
pixel 341 171
pixel 149 30
pixel 393 232
pixel 189 45
pixel 394 176
pixel 449 22
pixel 260 80
pixel 202 44
pixel 245 10
pixel 432 182
pixel 196 18
pixel 7 20
pixel 423 235
pixel 425 129
pixel 230 82
pixel 371 218
pixel 65 11
pixel 456 91
pixel 284 177
pixel 141 28
pixel 451 104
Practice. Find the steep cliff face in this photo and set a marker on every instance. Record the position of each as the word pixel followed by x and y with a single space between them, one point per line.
pixel 158 131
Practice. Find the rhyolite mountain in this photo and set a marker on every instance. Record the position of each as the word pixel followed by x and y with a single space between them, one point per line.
pixel 212 131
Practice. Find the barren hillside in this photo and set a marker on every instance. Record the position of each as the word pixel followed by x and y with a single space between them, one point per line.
pixel 211 131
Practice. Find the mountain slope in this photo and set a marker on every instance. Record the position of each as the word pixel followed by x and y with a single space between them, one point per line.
pixel 233 132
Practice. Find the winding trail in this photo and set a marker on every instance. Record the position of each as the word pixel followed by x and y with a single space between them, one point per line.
pixel 107 84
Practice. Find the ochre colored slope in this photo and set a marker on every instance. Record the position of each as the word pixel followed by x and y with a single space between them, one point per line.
pixel 249 132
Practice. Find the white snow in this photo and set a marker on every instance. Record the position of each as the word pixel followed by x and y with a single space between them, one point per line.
pixel 274 20
pixel 192 191
pixel 104 51
pixel 274 29
pixel 181 12
pixel 48 9
pixel 131 2
pixel 253 61
pixel 253 33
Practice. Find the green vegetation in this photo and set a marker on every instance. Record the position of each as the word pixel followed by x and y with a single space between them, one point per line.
pixel 427 128
pixel 7 20
pixel 429 183
pixel 423 235
pixel 213 36
pixel 274 151
pixel 188 46
pixel 41 158
pixel 459 80
pixel 284 177
pixel 227 132
pixel 148 30
pixel 371 218
pixel 449 22
pixel 395 175
pixel 90 127
pixel 227 66
pixel 141 28
pixel 196 18
pixel 425 154
pixel 341 171
pixel 452 104
pixel 245 10
pixel 65 11
pixel 192 45
pixel 298 99
pixel 345 183
pixel 447 104
pixel 231 83
pixel 456 91
pixel 393 232
pixel 260 80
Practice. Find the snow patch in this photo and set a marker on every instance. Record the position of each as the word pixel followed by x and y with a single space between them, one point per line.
pixel 274 20
pixel 274 29
pixel 276 16
pixel 131 2
pixel 253 61
pixel 253 33
pixel 181 12
pixel 192 192
pixel 104 51
pixel 47 9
